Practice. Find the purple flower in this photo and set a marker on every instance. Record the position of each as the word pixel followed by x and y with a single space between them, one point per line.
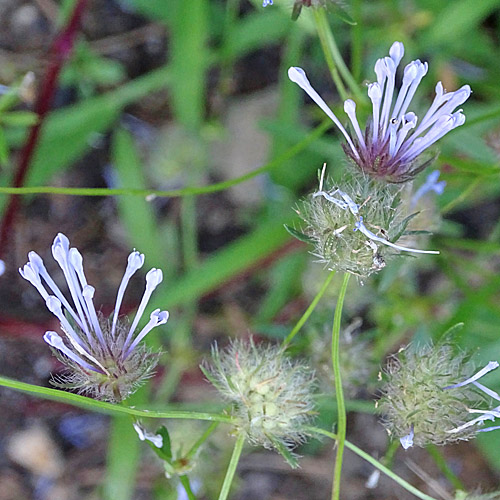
pixel 104 355
pixel 392 143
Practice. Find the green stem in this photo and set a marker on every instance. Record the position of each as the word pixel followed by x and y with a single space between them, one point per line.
pixel 382 468
pixel 231 469
pixel 197 190
pixel 309 310
pixel 334 59
pixel 101 406
pixel 357 39
pixel 196 446
pixel 187 487
pixel 339 394
pixel 440 461
pixel 322 28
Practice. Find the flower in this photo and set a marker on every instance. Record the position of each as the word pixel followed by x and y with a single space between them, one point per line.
pixel 272 395
pixel 420 401
pixel 104 356
pixel 338 221
pixel 392 143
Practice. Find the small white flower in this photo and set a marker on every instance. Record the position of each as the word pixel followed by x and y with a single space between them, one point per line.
pixel 104 356
pixel 393 141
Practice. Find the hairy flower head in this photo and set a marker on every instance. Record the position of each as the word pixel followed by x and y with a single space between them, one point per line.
pixel 272 395
pixel 430 394
pixel 354 226
pixel 104 356
pixel 391 147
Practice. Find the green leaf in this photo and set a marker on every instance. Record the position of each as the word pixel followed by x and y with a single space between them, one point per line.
pixel 136 213
pixel 458 19
pixel 19 118
pixel 290 457
pixel 341 12
pixel 297 234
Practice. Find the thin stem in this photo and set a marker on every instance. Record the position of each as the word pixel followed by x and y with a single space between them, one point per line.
pixel 382 468
pixel 177 193
pixel 440 461
pixel 334 58
pixel 357 40
pixel 231 469
pixel 322 28
pixel 187 487
pixel 92 404
pixel 309 310
pixel 339 393
pixel 196 446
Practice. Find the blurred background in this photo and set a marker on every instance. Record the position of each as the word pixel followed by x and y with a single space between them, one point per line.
pixel 169 94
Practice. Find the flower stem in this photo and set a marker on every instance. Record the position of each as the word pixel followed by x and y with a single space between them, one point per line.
pixel 440 461
pixel 187 487
pixel 339 394
pixel 382 468
pixel 309 310
pixel 196 446
pixel 334 59
pixel 231 469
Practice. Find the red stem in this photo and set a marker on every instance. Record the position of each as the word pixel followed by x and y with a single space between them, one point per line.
pixel 59 53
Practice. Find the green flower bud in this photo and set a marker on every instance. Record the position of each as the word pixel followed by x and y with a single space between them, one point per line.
pixel 272 395
pixel 422 403
pixel 354 226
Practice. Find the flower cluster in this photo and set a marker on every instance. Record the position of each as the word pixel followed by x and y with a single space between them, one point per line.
pixel 391 146
pixel 355 229
pixel 104 355
pixel 272 395
pixel 422 403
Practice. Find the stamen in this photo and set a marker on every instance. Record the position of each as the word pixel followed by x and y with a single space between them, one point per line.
pixel 341 204
pixel 135 262
pixel 353 207
pixel 153 279
pixel 60 251
pixel 298 76
pixel 359 225
pixel 488 391
pixel 409 122
pixel 480 419
pixel 54 306
pixel 55 341
pixel 375 94
pixel 88 295
pixel 36 263
pixel 389 91
pixel 492 365
pixel 421 71
pixel 350 109
pixel 396 52
pixel 76 260
pixel 157 318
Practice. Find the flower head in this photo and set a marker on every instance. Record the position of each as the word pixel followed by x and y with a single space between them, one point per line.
pixel 104 355
pixel 423 403
pixel 272 395
pixel 391 146
pixel 354 226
